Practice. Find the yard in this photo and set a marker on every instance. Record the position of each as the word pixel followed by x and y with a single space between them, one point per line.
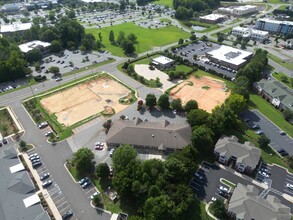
pixel 280 61
pixel 7 126
pixel 284 79
pixel 164 2
pixel 147 38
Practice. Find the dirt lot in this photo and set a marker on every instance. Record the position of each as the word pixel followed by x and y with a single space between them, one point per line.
pixel 207 91
pixel 84 100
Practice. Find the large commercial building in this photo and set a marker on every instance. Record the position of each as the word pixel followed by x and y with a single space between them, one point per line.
pixel 18 198
pixel 144 134
pixel 230 57
pixel 43 47
pixel 250 33
pixel 274 26
pixel 14 28
pixel 212 18
pixel 276 93
pixel 162 62
pixel 244 157
pixel 14 8
pixel 239 10
pixel 246 204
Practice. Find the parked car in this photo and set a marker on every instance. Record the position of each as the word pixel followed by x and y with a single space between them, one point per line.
pixel 43 124
pixel 255 127
pixel 224 194
pixel 67 215
pixel 282 152
pixel 112 152
pixel 44 176
pixel 265 170
pixel 282 133
pixel 290 186
pixel 86 184
pixel 47 134
pixel 83 180
pixel 34 157
pixel 4 141
pixel 36 160
pixel 264 174
pixel 259 132
pixel 94 195
pixel 58 79
pixel 47 183
pixel 37 164
pixel 197 175
pixel 224 189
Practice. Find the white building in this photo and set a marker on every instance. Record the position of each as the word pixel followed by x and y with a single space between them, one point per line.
pixel 230 57
pixel 274 26
pixel 13 28
pixel 251 33
pixel 212 18
pixel 40 45
pixel 162 62
pixel 239 10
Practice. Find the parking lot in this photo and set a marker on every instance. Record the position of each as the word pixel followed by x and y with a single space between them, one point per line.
pixel 207 187
pixel 200 49
pixel 270 130
pixel 54 190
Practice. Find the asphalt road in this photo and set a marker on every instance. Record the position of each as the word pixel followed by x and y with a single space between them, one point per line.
pixel 270 130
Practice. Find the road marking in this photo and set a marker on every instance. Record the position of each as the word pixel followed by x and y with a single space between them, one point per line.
pixel 289 180
pixel 63 203
pixel 289 176
pixel 87 192
pixel 290 192
pixel 196 183
pixel 63 198
pixel 59 194
pixel 195 188
pixel 64 208
pixel 276 191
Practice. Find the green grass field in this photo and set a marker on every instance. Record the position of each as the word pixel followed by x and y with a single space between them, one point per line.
pixel 208 27
pixel 147 38
pixel 280 61
pixel 164 2
pixel 279 76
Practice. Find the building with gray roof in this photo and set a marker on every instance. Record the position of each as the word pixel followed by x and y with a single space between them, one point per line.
pixel 245 156
pixel 276 93
pixel 157 135
pixel 245 204
pixel 17 190
pixel 13 8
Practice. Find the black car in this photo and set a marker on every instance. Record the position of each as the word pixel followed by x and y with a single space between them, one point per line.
pixel 37 164
pixel 67 215
pixel 44 176
pixel 47 183
pixel 255 127
pixel 4 141
pixel 83 180
pixel 86 184
pixel 282 152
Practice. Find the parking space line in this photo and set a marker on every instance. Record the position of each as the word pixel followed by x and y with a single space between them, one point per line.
pixel 289 180
pixel 289 176
pixel 64 208
pixel 195 188
pixel 287 191
pixel 87 192
pixel 196 183
pixel 63 198
pixel 55 197
pixel 63 203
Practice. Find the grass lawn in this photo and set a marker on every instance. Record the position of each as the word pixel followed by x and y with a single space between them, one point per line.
pixel 165 20
pixel 283 7
pixel 280 61
pixel 164 2
pixel 278 76
pixel 208 27
pixel 7 125
pixel 198 212
pixel 26 148
pixel 257 102
pixel 147 38
pixel 228 183
pixel 180 68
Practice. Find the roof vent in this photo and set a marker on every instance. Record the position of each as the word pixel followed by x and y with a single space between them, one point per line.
pixel 153 135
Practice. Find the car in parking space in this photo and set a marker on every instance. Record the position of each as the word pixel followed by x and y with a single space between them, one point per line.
pixel 246 120
pixel 58 79
pixel 44 176
pixel 67 215
pixel 47 183
pixel 34 158
pixel 33 155
pixel 264 174
pixel 112 152
pixel 223 189
pixel 282 152
pixel 214 199
pixel 86 184
pixel 43 124
pixel 259 132
pixel 289 186
pixel 37 164
pixel 83 180
pixel 223 194
pixel 255 127
pixel 265 170
pixel 198 176
pixel 282 132
pixel 4 141
pixel 94 195
pixel 47 134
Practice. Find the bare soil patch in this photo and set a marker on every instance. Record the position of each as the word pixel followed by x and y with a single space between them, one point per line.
pixel 207 91
pixel 84 100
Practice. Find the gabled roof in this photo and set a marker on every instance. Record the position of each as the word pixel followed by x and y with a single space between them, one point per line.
pixel 246 153
pixel 10 153
pixel 21 183
pixel 247 205
pixel 277 90
pixel 155 134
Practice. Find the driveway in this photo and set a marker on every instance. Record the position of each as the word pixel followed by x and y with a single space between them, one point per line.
pixel 270 130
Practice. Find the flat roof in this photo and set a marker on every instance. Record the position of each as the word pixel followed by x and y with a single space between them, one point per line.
pixel 253 31
pixel 275 21
pixel 212 17
pixel 245 7
pixel 162 60
pixel 15 27
pixel 230 55
pixel 31 45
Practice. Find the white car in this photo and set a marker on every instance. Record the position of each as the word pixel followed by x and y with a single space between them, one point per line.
pixel 264 174
pixel 214 199
pixel 112 152
pixel 224 189
pixel 94 195
pixel 33 155
pixel 290 186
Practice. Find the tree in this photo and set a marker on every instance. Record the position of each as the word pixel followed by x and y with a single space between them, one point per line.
pixel 263 142
pixel 123 156
pixel 175 170
pixel 150 101
pixel 89 41
pixel 236 103
pixel 121 38
pixel 56 46
pixel 128 47
pixel 176 104
pixel 54 69
pixel 220 38
pixel 197 117
pixel 288 114
pixel 82 159
pixel 70 14
pixel 190 105
pixel 204 38
pixel 202 138
pixel 103 170
pixel 112 37
pixel 34 55
pixel 163 101
pixel 122 5
pixel 132 38
pixel 158 208
pixel 97 200
pixel 242 87
pixel 22 144
pixel 180 41
pixel 51 16
pixel 218 209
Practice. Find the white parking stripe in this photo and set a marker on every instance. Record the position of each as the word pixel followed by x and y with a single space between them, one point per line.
pixel 87 192
pixel 195 188
pixel 196 183
pixel 289 176
pixel 58 195
pixel 60 200
pixel 63 203
pixel 288 191
pixel 289 180
pixel 64 208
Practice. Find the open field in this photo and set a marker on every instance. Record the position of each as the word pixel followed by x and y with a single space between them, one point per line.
pixel 84 100
pixel 208 27
pixel 164 2
pixel 147 38
pixel 208 92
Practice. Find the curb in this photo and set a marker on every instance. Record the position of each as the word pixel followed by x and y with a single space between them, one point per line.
pixel 208 211
pixel 69 173
pixel 96 207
